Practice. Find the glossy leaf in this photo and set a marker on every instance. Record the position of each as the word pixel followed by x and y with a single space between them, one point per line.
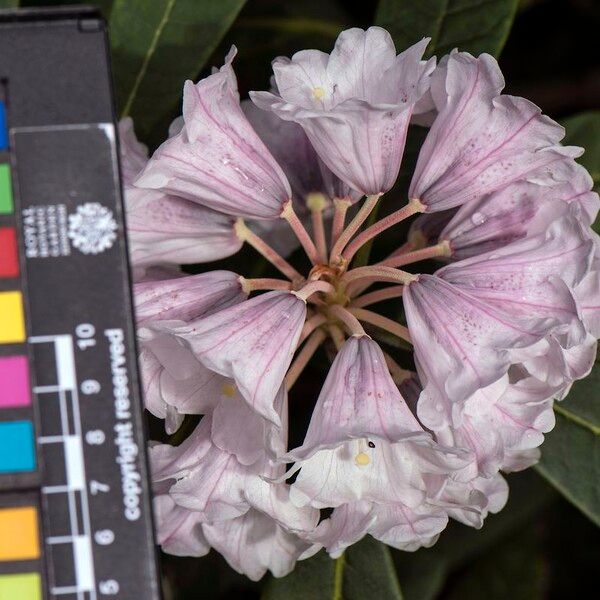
pixel 571 452
pixel 423 574
pixel 365 570
pixel 474 26
pixel 157 46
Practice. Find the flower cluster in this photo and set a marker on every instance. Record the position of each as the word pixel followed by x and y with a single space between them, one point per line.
pixel 499 331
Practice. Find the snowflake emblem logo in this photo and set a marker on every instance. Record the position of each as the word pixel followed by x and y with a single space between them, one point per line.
pixel 92 228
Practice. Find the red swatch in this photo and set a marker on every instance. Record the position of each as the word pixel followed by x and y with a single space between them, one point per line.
pixel 9 257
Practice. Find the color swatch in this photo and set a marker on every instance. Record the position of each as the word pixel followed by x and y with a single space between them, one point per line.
pixel 22 586
pixel 9 257
pixel 6 198
pixel 12 321
pixel 19 535
pixel 14 382
pixel 17 447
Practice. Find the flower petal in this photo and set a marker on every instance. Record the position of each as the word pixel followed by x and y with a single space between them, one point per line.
pixel 217 159
pixel 482 141
pixel 355 106
pixel 165 230
pixel 253 343
pixel 186 298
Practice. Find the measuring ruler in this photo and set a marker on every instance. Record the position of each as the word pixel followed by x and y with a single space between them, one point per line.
pixel 75 513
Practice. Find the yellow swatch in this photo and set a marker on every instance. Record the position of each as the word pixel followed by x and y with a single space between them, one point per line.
pixel 19 537
pixel 24 586
pixel 12 322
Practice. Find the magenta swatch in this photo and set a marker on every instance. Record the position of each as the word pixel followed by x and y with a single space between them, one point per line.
pixel 14 382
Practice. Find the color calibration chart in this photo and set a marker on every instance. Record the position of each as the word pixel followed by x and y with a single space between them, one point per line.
pixel 75 509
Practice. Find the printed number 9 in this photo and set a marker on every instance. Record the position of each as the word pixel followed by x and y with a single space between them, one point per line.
pixel 90 386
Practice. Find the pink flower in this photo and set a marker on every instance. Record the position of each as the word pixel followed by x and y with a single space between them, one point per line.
pixel 462 344
pixel 363 443
pixel 482 140
pixel 503 424
pixel 397 525
pixel 187 298
pixel 354 105
pixel 179 530
pixel 517 211
pixel 217 159
pixel 174 382
pixel 166 230
pixel 253 343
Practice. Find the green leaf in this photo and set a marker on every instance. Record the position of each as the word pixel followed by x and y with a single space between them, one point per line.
pixel 9 3
pixel 156 46
pixel 514 569
pixel 364 571
pixel 571 452
pixel 584 130
pixel 474 26
pixel 423 574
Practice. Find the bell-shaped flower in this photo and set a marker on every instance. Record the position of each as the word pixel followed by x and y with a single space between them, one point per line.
pixel 186 298
pixel 561 359
pixel 355 105
pixel 178 530
pixel 394 524
pixel 530 277
pixel 363 442
pixel 481 140
pixel 500 426
pixel 256 542
pixel 166 230
pixel 462 344
pixel 217 159
pixel 471 502
pixel 239 430
pixel 252 343
pixel 517 211
pixel 205 479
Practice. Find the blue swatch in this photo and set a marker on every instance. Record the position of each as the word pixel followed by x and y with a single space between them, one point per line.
pixel 3 128
pixel 17 447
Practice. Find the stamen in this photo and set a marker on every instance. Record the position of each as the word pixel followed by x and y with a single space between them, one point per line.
pixel 339 217
pixel 318 93
pixel 396 371
pixel 378 273
pixel 354 225
pixel 414 206
pixel 314 287
pixel 252 285
pixel 317 203
pixel 312 343
pixel 351 323
pixel 228 389
pixel 362 459
pixel 248 236
pixel 380 321
pixel 441 249
pixel 337 335
pixel 394 291
pixel 305 240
